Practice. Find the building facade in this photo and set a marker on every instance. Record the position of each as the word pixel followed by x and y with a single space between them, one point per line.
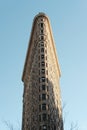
pixel 41 98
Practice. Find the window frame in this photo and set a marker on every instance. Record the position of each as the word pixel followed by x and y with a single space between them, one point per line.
pixel 43 106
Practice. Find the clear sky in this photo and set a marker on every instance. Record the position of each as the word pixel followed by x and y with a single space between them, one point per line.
pixel 69 24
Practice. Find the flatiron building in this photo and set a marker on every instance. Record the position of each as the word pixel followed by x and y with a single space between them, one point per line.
pixel 41 98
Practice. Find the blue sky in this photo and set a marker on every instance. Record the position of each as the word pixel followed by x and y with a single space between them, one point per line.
pixel 69 24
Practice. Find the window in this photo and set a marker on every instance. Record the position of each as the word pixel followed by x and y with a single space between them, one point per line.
pixel 41 25
pixel 41 19
pixel 43 96
pixel 42 37
pixel 43 79
pixel 44 116
pixel 40 118
pixel 42 44
pixel 39 107
pixel 39 45
pixel 42 49
pixel 27 126
pixel 41 31
pixel 40 128
pixel 44 106
pixel 43 87
pixel 39 72
pixel 43 63
pixel 39 58
pixel 42 56
pixel 39 97
pixel 39 64
pixel 43 71
pixel 48 127
pixel 39 88
pixel 44 127
pixel 54 127
pixel 39 80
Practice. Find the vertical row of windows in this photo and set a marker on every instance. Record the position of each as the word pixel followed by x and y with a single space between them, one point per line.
pixel 43 87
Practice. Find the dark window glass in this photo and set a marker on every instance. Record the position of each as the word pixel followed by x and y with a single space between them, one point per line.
pixel 54 127
pixel 39 72
pixel 44 127
pixel 43 87
pixel 42 44
pixel 41 31
pixel 39 107
pixel 41 19
pixel 43 71
pixel 44 117
pixel 39 57
pixel 42 56
pixel 44 106
pixel 48 127
pixel 42 37
pixel 40 128
pixel 39 64
pixel 39 80
pixel 39 97
pixel 40 118
pixel 43 63
pixel 39 88
pixel 47 88
pixel 43 79
pixel 42 49
pixel 43 96
pixel 39 45
pixel 41 25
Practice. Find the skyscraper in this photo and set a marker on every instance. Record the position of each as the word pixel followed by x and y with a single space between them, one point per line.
pixel 41 99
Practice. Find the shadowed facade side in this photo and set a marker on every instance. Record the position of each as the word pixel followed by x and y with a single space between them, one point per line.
pixel 41 99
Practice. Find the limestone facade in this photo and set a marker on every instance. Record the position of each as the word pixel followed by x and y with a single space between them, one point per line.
pixel 41 98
